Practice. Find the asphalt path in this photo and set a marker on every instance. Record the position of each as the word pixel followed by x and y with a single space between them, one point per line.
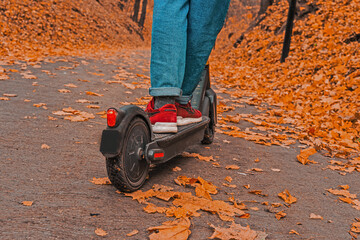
pixel 56 176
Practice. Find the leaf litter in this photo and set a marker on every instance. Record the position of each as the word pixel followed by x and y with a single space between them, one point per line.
pixel 184 206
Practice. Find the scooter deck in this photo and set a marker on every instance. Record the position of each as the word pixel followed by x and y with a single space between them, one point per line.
pixel 174 144
pixel 186 129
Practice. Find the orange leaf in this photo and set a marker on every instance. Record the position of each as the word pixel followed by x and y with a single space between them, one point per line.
pixel 132 233
pixel 175 230
pixel 27 203
pixel 100 232
pixel 94 94
pixel 101 181
pixel 286 196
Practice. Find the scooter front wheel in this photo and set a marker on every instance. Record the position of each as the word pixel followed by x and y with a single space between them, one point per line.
pixel 128 171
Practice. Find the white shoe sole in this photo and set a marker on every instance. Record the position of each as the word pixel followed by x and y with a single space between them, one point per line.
pixel 164 127
pixel 185 121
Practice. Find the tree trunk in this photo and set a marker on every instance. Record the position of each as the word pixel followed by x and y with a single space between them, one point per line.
pixel 143 13
pixel 136 11
pixel 264 4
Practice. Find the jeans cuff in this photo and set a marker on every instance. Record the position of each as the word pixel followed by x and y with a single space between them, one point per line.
pixel 165 91
pixel 183 99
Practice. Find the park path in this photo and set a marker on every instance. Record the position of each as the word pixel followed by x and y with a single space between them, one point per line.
pixel 50 161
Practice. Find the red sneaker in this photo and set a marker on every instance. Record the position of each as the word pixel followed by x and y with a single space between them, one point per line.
pixel 163 120
pixel 186 114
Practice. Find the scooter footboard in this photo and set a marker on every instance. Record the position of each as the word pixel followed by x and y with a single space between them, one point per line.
pixel 165 148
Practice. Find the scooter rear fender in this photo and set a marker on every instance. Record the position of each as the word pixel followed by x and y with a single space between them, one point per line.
pixel 112 138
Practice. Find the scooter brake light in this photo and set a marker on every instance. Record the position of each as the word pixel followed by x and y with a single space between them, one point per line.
pixel 111 117
pixel 159 155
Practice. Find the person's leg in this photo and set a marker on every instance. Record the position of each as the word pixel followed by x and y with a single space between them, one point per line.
pixel 168 54
pixel 168 47
pixel 205 20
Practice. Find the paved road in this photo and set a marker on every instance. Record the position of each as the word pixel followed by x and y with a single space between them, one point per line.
pixel 66 205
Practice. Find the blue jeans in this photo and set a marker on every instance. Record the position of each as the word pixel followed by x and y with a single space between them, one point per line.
pixel 183 35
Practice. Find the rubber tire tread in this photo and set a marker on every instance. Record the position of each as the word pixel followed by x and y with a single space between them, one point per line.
pixel 115 169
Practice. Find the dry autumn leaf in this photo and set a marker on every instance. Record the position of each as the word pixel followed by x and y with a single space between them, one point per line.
pixel 132 233
pixel 27 203
pixel 280 215
pixel 70 85
pixel 228 179
pixel 100 232
pixel 45 146
pixel 344 193
pixel 196 155
pixel 9 95
pixel 314 216
pixel 176 169
pixel 236 231
pixel 304 154
pixel 178 229
pixel 101 181
pixel 232 167
pixel 93 106
pixel 293 232
pixel 94 94
pixel 286 196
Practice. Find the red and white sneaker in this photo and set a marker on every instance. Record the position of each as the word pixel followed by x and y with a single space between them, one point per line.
pixel 186 114
pixel 163 120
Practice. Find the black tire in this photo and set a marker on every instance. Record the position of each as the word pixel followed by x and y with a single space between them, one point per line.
pixel 210 129
pixel 209 134
pixel 128 171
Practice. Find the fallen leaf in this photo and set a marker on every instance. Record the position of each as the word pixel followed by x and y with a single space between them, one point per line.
pixel 175 230
pixel 29 76
pixel 258 192
pixel 257 170
pixel 45 146
pixel 286 196
pixel 100 232
pixel 229 185
pixel 280 215
pixel 101 181
pixel 4 98
pixel 196 155
pixel 52 118
pixel 83 101
pixel 132 233
pixel 344 193
pixel 232 167
pixel 39 104
pixel 345 187
pixel 236 231
pixel 228 179
pixel 93 106
pixel 27 203
pixel 304 154
pixel 9 95
pixel 70 85
pixel 176 169
pixel 293 232
pixel 94 94
pixel 314 216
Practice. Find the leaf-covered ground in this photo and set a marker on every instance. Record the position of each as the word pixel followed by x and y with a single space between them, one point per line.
pixel 313 97
pixel 308 105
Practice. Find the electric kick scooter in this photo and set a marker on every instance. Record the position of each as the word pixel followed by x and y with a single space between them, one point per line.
pixel 130 146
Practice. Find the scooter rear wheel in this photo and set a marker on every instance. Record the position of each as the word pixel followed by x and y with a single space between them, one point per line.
pixel 128 171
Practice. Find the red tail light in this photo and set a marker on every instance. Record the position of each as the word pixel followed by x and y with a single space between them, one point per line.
pixel 159 155
pixel 111 117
